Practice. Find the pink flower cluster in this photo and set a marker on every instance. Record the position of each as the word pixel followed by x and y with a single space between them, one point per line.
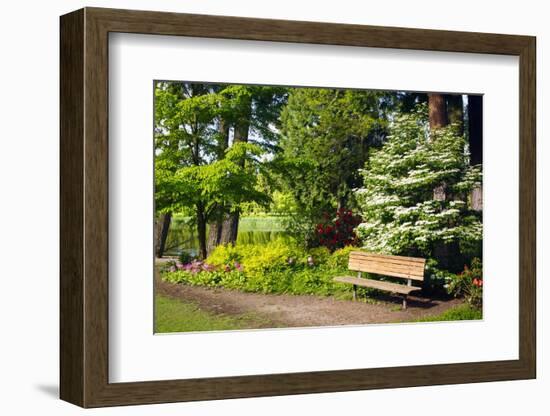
pixel 197 266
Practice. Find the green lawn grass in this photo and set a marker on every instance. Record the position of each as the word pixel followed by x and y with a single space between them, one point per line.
pixel 173 315
pixel 457 313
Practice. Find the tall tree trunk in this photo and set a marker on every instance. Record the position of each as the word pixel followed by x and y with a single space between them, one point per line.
pixel 230 228
pixel 201 232
pixel 214 235
pixel 223 142
pixel 455 112
pixel 455 116
pixel 158 232
pixel 215 227
pixel 437 111
pixel 475 130
pixel 164 221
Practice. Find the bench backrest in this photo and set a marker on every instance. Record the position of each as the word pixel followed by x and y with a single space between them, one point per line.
pixel 395 266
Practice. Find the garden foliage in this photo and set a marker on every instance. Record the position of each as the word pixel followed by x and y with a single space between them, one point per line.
pixel 277 267
pixel 325 137
pixel 338 232
pixel 400 213
pixel 468 284
pixel 222 151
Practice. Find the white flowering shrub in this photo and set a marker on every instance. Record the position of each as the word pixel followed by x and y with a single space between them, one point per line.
pixel 401 212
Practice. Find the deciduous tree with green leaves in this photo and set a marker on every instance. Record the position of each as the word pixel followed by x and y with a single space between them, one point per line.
pixel 251 114
pixel 185 135
pixel 202 132
pixel 203 189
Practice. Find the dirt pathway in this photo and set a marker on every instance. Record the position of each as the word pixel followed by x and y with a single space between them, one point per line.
pixel 300 311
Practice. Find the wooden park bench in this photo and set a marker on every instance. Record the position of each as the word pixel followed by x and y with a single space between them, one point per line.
pixel 409 268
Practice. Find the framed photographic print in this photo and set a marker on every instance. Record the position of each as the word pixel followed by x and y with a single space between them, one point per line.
pixel 256 207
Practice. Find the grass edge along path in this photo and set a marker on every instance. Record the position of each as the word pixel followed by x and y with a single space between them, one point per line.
pixel 174 315
pixel 462 312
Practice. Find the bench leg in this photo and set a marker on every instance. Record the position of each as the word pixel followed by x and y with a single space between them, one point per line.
pixel 405 302
pixel 354 292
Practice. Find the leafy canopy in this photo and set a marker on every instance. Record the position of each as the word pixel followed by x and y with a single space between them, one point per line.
pixel 325 137
pixel 326 134
pixel 195 163
pixel 224 182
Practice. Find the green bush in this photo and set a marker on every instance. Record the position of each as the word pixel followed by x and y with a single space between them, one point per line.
pixel 340 258
pixel 469 284
pixel 273 255
pixel 278 267
pixel 436 278
pixel 185 257
pixel 225 254
pixel 316 281
pixel 320 255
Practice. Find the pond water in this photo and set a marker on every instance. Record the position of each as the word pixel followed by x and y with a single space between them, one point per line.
pixel 252 230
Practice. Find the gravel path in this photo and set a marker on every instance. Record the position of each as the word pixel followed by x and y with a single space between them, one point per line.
pixel 300 311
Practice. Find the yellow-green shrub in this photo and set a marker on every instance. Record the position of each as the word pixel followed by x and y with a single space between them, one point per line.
pixel 277 267
pixel 320 254
pixel 225 254
pixel 253 257
pixel 339 259
pixel 271 256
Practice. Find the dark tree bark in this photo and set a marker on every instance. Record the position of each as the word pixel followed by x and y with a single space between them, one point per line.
pixel 214 235
pixel 475 128
pixel 164 222
pixel 230 227
pixel 215 227
pixel 223 142
pixel 437 111
pixel 437 108
pixel 475 133
pixel 455 116
pixel 455 112
pixel 201 232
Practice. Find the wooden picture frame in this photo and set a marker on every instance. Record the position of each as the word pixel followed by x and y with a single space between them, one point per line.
pixel 84 207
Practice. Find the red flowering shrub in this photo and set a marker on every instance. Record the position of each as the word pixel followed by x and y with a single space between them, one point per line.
pixel 469 283
pixel 338 232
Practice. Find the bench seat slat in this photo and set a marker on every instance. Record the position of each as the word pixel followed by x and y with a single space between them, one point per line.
pixel 366 260
pixel 388 258
pixel 377 284
pixel 382 269
pixel 395 266
pixel 388 273
pixel 373 260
